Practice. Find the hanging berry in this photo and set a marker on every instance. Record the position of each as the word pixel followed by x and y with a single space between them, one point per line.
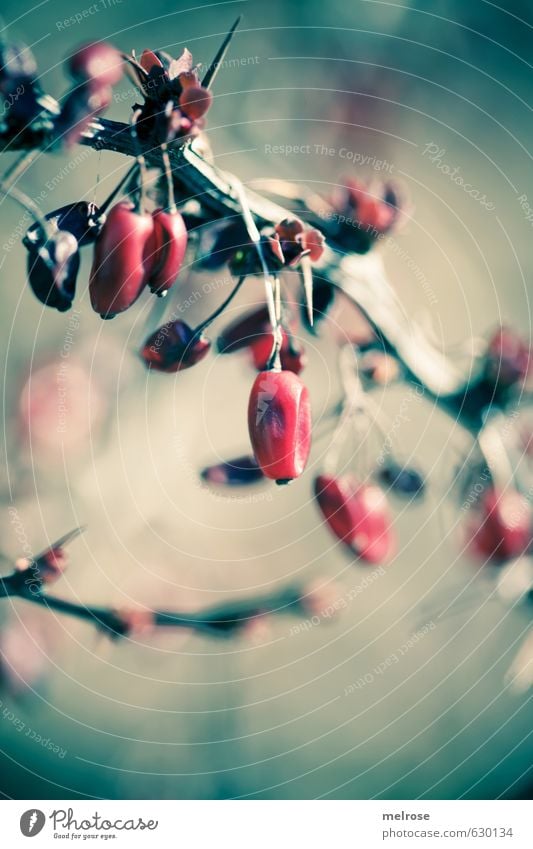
pixel 175 347
pixel 279 423
pixel 502 526
pixel 121 263
pixel 358 515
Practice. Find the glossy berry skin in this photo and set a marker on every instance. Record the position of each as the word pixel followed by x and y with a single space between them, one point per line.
pixel 239 472
pixel 121 260
pixel 279 423
pixel 504 526
pixel 402 480
pixel 166 249
pixel 52 270
pixel 293 358
pixel 174 347
pixel 97 62
pixel 358 515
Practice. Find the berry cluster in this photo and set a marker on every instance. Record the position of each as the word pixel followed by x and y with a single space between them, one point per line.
pixel 140 246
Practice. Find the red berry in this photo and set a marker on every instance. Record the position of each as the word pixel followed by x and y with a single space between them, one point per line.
pixel 97 62
pixel 279 423
pixel 503 526
pixel 195 101
pixel 358 515
pixel 167 248
pixel 149 60
pixel 174 347
pixel 121 260
pixel 314 242
pixel 51 565
pixel 508 358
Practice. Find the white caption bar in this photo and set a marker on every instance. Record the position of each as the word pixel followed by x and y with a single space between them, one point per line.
pixel 267 824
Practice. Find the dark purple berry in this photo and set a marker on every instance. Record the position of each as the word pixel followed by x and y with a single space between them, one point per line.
pixel 52 270
pixel 81 219
pixel 403 481
pixel 174 347
pixel 239 472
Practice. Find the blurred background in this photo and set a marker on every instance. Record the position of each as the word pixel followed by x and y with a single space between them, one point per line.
pixel 420 92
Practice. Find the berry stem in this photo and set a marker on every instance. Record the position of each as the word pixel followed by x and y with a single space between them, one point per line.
pixel 141 162
pixel 123 186
pixel 205 324
pixel 171 202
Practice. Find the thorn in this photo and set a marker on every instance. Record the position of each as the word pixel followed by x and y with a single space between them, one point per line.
pixel 212 71
pixel 66 538
pixel 307 274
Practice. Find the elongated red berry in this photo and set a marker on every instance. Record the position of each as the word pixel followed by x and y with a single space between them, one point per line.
pixel 503 527
pixel 358 515
pixel 121 260
pixel 279 423
pixel 167 249
pixel 174 347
